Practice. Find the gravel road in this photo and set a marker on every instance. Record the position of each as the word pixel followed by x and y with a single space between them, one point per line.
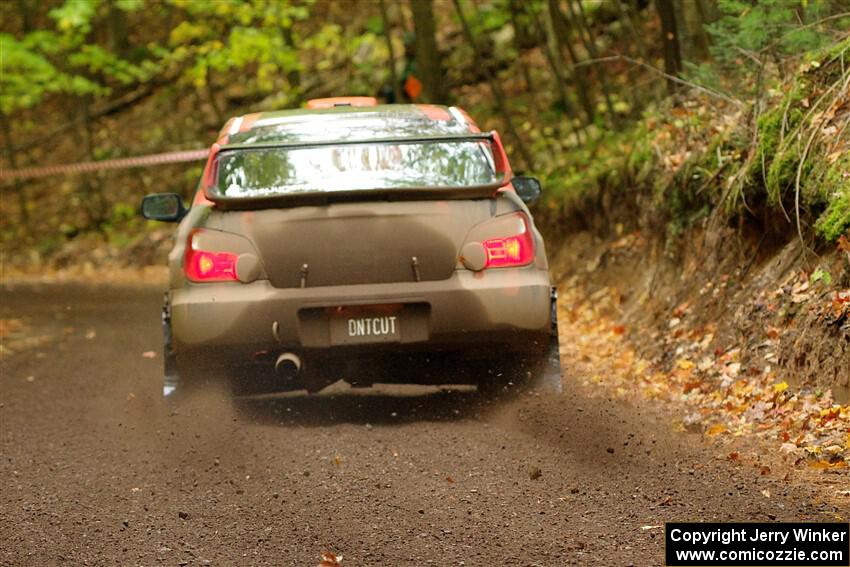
pixel 96 471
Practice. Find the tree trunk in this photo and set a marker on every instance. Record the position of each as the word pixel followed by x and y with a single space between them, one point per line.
pixel 388 36
pixel 515 9
pixel 590 45
pixel 24 11
pixel 90 190
pixel 691 25
pixel 708 11
pixel 6 127
pixel 212 99
pixel 495 88
pixel 562 33
pixel 670 41
pixel 550 45
pixel 13 164
pixel 118 37
pixel 428 62
pixel 96 186
pixel 293 76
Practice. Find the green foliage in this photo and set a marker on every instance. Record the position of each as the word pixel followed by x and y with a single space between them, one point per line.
pixel 95 60
pixel 795 122
pixel 62 61
pixel 835 221
pixel 232 38
pixel 746 29
pixel 75 16
pixel 821 275
pixel 777 161
pixel 611 158
pixel 27 74
pixel 751 40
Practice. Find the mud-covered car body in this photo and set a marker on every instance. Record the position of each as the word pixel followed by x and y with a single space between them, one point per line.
pixel 372 244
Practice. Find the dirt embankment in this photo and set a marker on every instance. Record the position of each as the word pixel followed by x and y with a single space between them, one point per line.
pixel 747 331
pixel 782 307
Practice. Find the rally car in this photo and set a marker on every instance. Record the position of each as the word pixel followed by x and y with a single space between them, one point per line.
pixel 356 241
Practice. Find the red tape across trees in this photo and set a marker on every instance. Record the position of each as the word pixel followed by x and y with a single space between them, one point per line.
pixel 119 163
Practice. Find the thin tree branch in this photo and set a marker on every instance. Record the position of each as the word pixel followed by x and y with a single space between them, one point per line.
pixel 388 37
pixel 685 82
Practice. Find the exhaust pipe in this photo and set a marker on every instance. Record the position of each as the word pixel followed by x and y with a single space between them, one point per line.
pixel 288 365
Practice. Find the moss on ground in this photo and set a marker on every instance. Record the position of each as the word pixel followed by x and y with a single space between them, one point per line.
pixel 835 220
pixel 690 159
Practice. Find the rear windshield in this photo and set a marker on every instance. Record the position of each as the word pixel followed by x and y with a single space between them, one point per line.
pixel 263 172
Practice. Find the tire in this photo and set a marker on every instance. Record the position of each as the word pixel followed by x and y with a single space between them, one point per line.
pixel 171 374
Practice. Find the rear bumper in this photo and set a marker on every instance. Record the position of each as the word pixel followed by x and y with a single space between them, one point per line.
pixel 468 311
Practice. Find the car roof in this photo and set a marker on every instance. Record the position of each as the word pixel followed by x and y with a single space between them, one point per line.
pixel 349 123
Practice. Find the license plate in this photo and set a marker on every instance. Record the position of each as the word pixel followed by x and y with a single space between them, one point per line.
pixel 364 325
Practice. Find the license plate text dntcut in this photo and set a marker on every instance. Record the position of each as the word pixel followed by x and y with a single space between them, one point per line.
pixel 372 326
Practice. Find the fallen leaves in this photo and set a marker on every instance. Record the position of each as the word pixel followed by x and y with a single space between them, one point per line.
pixel 10 327
pixel 723 392
pixel 330 560
pixel 17 336
pixel 839 307
pixel 715 429
pixel 825 465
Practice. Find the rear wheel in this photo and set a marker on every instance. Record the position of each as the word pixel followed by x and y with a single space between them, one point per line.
pixel 171 374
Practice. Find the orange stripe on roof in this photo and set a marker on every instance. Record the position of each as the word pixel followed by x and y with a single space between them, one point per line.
pixel 226 128
pixel 434 112
pixel 248 121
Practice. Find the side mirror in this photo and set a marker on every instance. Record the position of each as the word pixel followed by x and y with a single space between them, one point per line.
pixel 527 188
pixel 165 207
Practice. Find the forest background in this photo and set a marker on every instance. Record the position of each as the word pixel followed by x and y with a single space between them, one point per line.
pixel 724 110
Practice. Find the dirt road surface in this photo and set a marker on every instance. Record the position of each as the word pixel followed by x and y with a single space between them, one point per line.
pixel 96 471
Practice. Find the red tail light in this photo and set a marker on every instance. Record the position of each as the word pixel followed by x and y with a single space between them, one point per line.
pixel 207 266
pixel 516 250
